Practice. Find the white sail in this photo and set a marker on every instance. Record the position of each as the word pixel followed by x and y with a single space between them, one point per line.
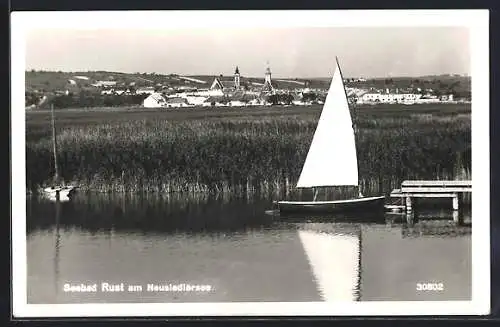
pixel 332 160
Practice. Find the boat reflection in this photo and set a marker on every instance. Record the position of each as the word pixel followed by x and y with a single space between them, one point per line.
pixel 334 248
pixel 333 258
pixel 365 217
pixel 334 255
pixel 57 246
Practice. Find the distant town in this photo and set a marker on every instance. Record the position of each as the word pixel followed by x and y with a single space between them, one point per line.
pixel 105 89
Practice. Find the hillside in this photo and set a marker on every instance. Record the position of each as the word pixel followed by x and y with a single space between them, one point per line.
pixel 73 81
pixel 46 81
pixel 53 81
pixel 441 84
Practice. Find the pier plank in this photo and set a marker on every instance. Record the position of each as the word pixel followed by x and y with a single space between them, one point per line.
pixel 435 189
pixel 443 183
pixel 453 189
pixel 423 195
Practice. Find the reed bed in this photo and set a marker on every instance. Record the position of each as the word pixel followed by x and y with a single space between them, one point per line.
pixel 241 155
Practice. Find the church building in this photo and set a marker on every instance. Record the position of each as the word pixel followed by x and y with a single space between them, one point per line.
pixel 227 84
pixel 235 84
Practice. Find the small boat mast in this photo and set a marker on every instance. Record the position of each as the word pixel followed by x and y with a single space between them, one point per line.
pixel 56 178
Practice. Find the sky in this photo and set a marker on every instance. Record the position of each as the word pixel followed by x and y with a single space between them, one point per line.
pixel 290 52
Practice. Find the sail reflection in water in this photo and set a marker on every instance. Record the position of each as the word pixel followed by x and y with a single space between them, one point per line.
pixel 334 258
pixel 237 249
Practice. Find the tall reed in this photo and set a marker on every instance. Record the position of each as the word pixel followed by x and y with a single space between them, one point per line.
pixel 244 156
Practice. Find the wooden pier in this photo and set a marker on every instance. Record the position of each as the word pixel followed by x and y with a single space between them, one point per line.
pixel 411 190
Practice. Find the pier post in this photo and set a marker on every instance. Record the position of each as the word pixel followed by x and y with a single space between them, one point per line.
pixel 410 218
pixel 408 204
pixel 455 201
pixel 461 202
pixel 458 218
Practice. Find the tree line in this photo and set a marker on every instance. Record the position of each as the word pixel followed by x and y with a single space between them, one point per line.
pixel 288 98
pixel 88 100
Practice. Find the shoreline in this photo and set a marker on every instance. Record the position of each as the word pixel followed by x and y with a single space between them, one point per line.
pixel 132 108
pixel 204 151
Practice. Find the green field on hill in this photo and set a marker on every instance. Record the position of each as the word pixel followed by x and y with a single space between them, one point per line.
pixel 240 150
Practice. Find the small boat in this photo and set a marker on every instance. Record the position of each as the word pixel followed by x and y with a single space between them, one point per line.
pixel 59 191
pixel 332 159
pixel 362 204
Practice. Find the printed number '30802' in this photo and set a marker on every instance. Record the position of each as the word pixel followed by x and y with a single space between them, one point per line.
pixel 430 287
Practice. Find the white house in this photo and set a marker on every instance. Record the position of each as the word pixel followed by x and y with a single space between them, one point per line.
pixel 104 83
pixel 389 98
pixel 177 103
pixel 155 100
pixel 236 103
pixel 208 93
pixel 447 98
pixel 145 90
pixel 254 102
pixel 107 92
pixel 428 100
pixel 196 101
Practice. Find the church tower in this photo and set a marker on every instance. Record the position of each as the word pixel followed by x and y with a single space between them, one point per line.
pixel 268 86
pixel 268 75
pixel 237 78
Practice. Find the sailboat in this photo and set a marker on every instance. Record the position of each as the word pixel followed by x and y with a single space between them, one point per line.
pixel 332 158
pixel 58 191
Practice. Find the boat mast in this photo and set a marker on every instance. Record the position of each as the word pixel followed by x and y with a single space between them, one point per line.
pixel 354 126
pixel 57 246
pixel 54 144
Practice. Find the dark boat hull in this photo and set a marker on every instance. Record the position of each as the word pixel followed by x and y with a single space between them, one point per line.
pixel 365 205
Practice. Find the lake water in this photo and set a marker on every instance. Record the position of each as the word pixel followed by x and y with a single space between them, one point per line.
pixel 161 249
